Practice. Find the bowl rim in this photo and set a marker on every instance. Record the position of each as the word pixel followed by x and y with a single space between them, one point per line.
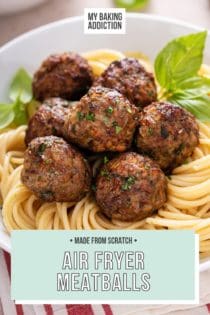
pixel 204 265
pixel 79 18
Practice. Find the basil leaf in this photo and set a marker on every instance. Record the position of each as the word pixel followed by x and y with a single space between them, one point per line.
pixel 20 113
pixel 6 115
pixel 194 83
pixel 198 104
pixel 21 87
pixel 179 59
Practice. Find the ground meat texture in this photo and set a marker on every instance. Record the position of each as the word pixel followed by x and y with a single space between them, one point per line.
pixel 66 75
pixel 130 187
pixel 48 119
pixel 167 133
pixel 103 120
pixel 131 79
pixel 55 171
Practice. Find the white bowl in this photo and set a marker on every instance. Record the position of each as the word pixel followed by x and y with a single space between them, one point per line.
pixel 14 6
pixel 145 33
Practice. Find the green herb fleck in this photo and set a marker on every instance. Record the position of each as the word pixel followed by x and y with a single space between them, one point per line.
pixel 180 148
pixel 129 181
pixel 109 110
pixel 48 161
pixel 106 160
pixel 80 116
pixel 105 173
pixel 90 116
pixel 106 120
pixel 147 167
pixel 118 129
pixel 150 131
pixel 41 148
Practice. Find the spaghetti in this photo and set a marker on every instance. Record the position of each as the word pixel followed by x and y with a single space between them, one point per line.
pixel 187 207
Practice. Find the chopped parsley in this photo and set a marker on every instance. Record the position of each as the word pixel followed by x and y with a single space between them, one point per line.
pixel 129 181
pixel 48 161
pixel 80 116
pixel 109 110
pixel 150 131
pixel 106 160
pixel 180 148
pixel 117 100
pixel 147 166
pixel 41 149
pixel 118 129
pixel 105 173
pixel 90 116
pixel 106 120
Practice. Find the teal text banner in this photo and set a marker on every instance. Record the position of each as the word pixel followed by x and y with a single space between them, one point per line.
pixel 105 266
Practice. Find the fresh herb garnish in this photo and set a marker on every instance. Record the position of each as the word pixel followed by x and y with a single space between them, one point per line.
pixel 41 149
pixel 118 129
pixel 90 116
pixel 20 94
pixel 176 70
pixel 147 167
pixel 110 110
pixel 128 182
pixel 105 173
pixel 106 160
pixel 80 116
pixel 150 131
pixel 180 148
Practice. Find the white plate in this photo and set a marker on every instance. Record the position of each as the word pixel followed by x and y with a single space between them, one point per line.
pixel 15 6
pixel 145 33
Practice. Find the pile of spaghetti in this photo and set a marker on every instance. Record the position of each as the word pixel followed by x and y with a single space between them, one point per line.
pixel 187 206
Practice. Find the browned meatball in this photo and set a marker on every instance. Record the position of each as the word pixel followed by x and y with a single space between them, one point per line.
pixel 66 75
pixel 130 187
pixel 48 119
pixel 103 120
pixel 130 78
pixel 55 171
pixel 167 133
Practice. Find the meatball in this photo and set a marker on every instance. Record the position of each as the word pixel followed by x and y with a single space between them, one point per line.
pixel 103 120
pixel 167 133
pixel 55 171
pixel 131 79
pixel 130 187
pixel 66 75
pixel 48 119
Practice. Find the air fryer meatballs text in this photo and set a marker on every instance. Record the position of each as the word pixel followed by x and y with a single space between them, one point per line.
pixel 66 75
pixel 130 187
pixel 55 171
pixel 167 133
pixel 48 119
pixel 103 120
pixel 129 77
